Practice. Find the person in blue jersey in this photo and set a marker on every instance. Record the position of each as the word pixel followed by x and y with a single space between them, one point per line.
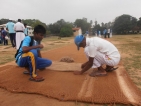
pixel 29 56
pixel 4 34
pixel 12 34
pixel 105 33
pixel 26 29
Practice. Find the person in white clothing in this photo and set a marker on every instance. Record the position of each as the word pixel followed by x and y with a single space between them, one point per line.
pixel 19 28
pixel 99 52
pixel 99 33
pixel 108 33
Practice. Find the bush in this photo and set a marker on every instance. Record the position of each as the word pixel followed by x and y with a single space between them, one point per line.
pixel 66 31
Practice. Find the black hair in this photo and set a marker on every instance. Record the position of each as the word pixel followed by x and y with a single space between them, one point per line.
pixel 19 20
pixel 39 29
pixel 25 24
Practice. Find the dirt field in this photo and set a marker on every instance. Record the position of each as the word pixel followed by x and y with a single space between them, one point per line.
pixel 22 99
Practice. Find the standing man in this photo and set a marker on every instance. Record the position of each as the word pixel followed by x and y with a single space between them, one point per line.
pixel 19 28
pixel 87 34
pixel 10 29
pixel 108 32
pixel 4 33
pixel 26 29
pixel 99 33
pixel 99 52
pixel 105 33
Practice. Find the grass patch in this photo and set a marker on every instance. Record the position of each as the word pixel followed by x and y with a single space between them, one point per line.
pixel 130 45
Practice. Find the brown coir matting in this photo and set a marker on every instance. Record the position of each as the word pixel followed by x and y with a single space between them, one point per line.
pixel 116 87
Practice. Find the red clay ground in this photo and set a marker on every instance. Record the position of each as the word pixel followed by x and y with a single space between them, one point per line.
pixel 127 90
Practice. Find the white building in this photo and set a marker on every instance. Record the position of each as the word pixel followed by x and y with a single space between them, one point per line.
pixel 77 31
pixel 30 29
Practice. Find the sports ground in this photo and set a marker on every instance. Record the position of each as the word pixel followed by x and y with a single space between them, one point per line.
pixel 62 88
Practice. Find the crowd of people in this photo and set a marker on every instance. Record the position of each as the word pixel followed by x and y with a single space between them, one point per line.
pixel 107 33
pixel 15 32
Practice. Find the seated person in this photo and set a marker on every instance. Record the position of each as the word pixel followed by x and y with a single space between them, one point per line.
pixel 29 56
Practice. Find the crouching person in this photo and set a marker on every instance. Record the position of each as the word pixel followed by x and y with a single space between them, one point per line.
pixel 99 52
pixel 29 56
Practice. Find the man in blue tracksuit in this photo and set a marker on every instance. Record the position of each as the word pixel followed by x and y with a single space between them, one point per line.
pixel 29 56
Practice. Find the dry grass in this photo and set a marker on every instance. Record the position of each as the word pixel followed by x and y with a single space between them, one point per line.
pixel 130 49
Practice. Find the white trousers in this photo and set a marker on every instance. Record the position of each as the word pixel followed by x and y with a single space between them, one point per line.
pixel 101 59
pixel 19 37
pixel 110 35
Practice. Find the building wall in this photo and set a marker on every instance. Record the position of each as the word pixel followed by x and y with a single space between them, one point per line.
pixel 30 30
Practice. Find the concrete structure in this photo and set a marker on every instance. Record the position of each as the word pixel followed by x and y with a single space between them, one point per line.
pixel 77 31
pixel 30 30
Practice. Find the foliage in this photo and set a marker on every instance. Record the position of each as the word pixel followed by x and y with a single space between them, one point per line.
pixel 3 21
pixel 66 31
pixel 34 22
pixel 121 25
pixel 139 22
pixel 83 24
pixel 56 27
pixel 124 24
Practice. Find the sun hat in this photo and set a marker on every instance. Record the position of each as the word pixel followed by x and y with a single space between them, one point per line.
pixel 78 39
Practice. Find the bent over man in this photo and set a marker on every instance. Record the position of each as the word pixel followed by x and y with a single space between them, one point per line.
pixel 99 52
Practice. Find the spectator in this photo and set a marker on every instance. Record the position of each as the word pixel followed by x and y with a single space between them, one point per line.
pixel 19 28
pixel 105 33
pixel 26 29
pixel 108 33
pixel 4 33
pixel 10 29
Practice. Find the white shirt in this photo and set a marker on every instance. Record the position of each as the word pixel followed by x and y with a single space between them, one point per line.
pixel 96 44
pixel 108 31
pixel 19 26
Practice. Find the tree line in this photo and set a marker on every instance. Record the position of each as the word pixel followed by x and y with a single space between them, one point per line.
pixel 121 25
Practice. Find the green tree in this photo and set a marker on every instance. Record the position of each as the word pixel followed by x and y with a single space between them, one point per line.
pixel 3 21
pixel 139 22
pixel 66 30
pixel 56 27
pixel 83 24
pixel 124 23
pixel 34 22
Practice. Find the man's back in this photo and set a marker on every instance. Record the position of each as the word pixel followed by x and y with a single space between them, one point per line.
pixel 101 45
pixel 10 26
pixel 19 27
